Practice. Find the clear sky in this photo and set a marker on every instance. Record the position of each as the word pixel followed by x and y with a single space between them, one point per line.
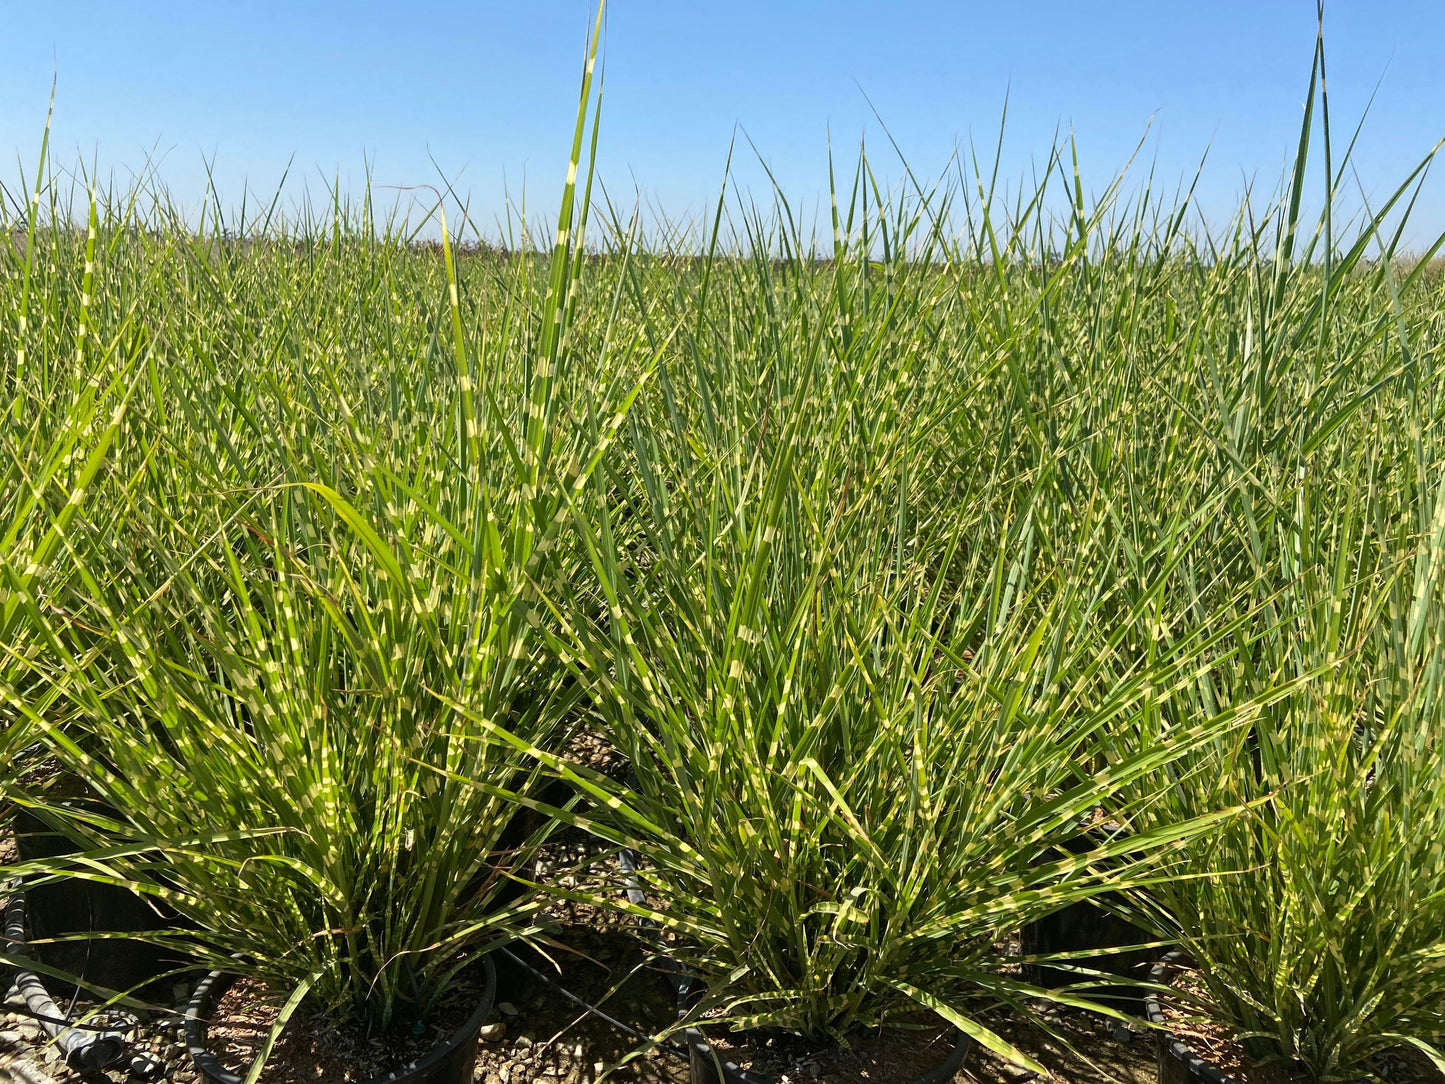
pixel 488 90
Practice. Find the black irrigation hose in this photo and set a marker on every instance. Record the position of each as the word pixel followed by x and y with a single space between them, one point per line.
pixel 87 1047
pixel 672 1048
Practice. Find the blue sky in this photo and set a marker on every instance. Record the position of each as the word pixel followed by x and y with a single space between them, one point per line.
pixel 488 90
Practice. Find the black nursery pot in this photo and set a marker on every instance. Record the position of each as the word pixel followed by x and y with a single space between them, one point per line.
pixel 707 1066
pixel 1177 1063
pixel 75 906
pixel 452 1062
pixel 1093 933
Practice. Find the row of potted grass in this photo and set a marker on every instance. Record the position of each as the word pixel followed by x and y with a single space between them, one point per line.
pixel 883 574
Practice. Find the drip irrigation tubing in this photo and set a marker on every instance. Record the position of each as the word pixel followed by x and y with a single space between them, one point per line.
pixel 87 1047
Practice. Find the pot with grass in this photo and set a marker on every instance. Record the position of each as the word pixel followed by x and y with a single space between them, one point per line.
pixel 281 717
pixel 1310 926
pixel 1307 924
pixel 296 783
pixel 856 767
pixel 447 1058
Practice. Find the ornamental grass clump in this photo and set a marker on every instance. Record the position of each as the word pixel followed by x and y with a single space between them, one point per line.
pixel 862 727
pixel 1313 923
pixel 324 561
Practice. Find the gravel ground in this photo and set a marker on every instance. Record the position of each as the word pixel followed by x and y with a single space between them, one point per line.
pixel 24 1043
pixel 537 1036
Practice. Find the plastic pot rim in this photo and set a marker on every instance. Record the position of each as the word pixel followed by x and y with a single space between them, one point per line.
pixel 1170 1043
pixel 209 991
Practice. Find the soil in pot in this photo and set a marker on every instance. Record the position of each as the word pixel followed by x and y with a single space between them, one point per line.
pixel 319 1049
